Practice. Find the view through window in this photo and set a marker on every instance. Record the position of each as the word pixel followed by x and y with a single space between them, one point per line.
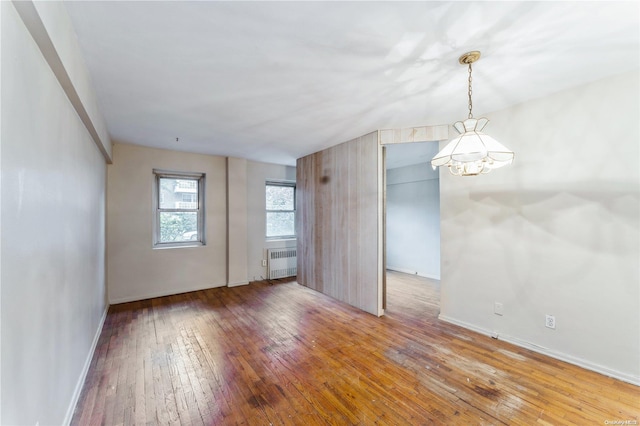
pixel 281 209
pixel 179 208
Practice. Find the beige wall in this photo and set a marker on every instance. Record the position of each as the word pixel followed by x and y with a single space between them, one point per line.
pixel 235 224
pixel 237 221
pixel 52 281
pixel 557 232
pixel 257 175
pixel 135 270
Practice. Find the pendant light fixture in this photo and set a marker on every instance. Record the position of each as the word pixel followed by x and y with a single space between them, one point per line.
pixel 472 152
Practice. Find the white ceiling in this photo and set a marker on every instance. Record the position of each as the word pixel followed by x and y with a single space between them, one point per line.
pixel 274 81
pixel 407 154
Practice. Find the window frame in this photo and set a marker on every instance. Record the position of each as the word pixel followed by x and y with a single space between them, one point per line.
pixel 281 183
pixel 199 210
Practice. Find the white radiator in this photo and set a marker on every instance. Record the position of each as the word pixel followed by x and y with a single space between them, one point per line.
pixel 282 262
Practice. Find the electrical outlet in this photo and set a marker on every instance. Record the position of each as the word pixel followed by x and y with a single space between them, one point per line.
pixel 498 308
pixel 550 321
pixel 264 262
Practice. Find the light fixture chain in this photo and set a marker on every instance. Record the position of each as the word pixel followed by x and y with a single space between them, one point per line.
pixel 470 102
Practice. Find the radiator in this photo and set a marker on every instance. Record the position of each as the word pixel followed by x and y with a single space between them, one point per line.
pixel 282 263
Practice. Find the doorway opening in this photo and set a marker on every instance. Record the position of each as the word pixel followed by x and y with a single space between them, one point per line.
pixel 412 228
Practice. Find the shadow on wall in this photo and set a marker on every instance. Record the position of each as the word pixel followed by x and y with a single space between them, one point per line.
pixel 547 210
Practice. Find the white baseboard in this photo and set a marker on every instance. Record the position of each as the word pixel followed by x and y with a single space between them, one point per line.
pixel 162 294
pixel 466 325
pixel 85 369
pixel 404 271
pixel 407 271
pixel 629 378
pixel 238 283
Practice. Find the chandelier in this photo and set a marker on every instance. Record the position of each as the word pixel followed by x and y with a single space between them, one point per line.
pixel 472 152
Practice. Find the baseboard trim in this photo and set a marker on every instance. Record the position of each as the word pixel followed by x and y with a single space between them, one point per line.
pixel 238 283
pixel 587 365
pixel 407 271
pixel 162 294
pixel 85 370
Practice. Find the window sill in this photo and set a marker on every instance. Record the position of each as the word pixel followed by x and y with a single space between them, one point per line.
pixel 174 246
pixel 277 239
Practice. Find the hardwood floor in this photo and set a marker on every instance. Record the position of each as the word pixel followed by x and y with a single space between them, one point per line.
pixel 283 354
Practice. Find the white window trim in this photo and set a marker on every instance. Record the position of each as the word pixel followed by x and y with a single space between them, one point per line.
pixel 200 177
pixel 295 216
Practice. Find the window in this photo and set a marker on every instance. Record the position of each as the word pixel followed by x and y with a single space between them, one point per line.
pixel 281 210
pixel 189 198
pixel 179 208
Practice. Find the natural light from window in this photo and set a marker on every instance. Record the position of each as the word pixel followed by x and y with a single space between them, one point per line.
pixel 281 210
pixel 179 212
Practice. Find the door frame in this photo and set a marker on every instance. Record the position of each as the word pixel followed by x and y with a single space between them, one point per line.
pixel 387 137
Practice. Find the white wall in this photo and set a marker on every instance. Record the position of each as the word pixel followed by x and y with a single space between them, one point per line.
pixel 1 43
pixel 555 233
pixel 413 220
pixel 52 221
pixel 51 29
pixel 135 270
pixel 257 175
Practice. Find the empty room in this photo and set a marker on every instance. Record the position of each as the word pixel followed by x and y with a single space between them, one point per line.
pixel 319 213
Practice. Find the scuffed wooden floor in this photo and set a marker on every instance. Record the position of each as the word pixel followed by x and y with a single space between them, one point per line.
pixel 283 354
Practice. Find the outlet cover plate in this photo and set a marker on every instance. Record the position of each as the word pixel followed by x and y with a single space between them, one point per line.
pixel 550 321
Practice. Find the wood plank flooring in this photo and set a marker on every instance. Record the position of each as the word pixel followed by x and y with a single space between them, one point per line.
pixel 283 354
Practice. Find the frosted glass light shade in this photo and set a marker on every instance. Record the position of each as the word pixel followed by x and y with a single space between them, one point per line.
pixel 473 152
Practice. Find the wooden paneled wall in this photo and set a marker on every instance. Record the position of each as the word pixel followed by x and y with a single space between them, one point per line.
pixel 339 226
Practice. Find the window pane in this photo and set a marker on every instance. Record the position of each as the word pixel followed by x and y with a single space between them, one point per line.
pixel 180 226
pixel 178 193
pixel 280 197
pixel 281 224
